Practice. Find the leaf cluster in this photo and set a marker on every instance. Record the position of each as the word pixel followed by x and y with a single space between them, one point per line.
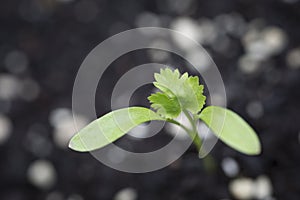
pixel 177 94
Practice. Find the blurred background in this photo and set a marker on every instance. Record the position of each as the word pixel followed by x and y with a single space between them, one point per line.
pixel 255 44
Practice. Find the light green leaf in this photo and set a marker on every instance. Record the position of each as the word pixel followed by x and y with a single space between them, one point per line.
pixel 167 107
pixel 185 88
pixel 231 129
pixel 110 127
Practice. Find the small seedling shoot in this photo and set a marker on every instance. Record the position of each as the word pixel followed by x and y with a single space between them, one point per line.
pixel 177 94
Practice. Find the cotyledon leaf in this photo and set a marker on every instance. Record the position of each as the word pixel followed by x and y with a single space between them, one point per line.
pixel 110 127
pixel 231 129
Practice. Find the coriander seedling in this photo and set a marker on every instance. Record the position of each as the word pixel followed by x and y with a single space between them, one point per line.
pixel 178 94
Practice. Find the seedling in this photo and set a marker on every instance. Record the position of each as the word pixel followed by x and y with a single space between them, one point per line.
pixel 178 94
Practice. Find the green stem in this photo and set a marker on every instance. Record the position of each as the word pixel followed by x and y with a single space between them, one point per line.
pixel 208 161
pixel 179 124
pixel 194 133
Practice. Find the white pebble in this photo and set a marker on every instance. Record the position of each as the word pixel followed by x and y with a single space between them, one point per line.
pixel 248 64
pixel 42 174
pixel 16 61
pixel 209 31
pixel 230 167
pixel 126 194
pixel 59 114
pixel 261 44
pixel 293 58
pixel 242 188
pixel 263 187
pixel 188 27
pixel 255 109
pixel 275 38
pixel 9 87
pixel 64 125
pixel 5 128
pixel 199 59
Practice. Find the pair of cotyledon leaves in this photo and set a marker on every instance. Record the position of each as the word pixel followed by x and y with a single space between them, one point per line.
pixel 179 93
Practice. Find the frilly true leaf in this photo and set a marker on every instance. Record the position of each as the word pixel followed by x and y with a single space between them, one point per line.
pixel 185 89
pixel 165 105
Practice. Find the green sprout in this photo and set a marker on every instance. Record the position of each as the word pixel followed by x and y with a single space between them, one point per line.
pixel 178 94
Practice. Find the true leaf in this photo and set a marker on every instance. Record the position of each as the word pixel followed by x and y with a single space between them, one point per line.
pixel 166 106
pixel 231 129
pixel 110 127
pixel 184 88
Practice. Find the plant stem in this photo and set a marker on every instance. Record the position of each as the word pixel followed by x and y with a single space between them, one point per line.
pixel 208 161
pixel 194 133
pixel 179 124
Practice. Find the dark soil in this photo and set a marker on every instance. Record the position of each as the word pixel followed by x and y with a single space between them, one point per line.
pixel 56 43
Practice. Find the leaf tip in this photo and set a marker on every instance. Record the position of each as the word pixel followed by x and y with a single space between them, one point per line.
pixel 76 144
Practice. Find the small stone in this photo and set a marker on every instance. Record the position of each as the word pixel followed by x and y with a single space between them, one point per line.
pixel 293 58
pixel 126 194
pixel 42 174
pixel 248 64
pixel 209 31
pixel 230 167
pixel 9 87
pixel 242 188
pixel 199 59
pixel 189 28
pixel 275 38
pixel 263 187
pixel 255 109
pixel 262 44
pixel 64 125
pixel 5 128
